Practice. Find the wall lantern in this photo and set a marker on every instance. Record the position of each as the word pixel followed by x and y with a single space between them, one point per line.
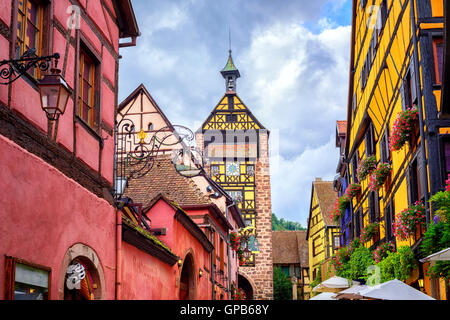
pixel 54 91
pixel 420 281
pixel 200 272
pixel 247 253
pixel 180 262
pixel 54 94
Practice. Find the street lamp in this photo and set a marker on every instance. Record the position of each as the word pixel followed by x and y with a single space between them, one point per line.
pixel 54 93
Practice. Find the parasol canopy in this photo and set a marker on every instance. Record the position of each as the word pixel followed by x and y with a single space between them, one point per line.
pixel 393 290
pixel 438 256
pixel 324 296
pixel 334 284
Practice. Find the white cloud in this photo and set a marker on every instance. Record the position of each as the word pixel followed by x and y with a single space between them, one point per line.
pixel 291 179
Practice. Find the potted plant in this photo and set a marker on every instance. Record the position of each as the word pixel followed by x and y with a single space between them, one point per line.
pixel 235 240
pixel 367 166
pixel 369 232
pixel 353 190
pixel 236 293
pixel 409 220
pixel 379 176
pixel 402 128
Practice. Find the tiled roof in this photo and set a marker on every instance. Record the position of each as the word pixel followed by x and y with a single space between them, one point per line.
pixel 326 197
pixel 164 180
pixel 290 247
pixel 342 127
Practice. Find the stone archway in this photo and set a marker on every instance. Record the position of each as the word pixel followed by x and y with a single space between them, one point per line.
pixel 188 285
pixel 246 285
pixel 88 258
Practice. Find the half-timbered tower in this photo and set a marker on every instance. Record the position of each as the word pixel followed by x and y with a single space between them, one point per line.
pixel 235 145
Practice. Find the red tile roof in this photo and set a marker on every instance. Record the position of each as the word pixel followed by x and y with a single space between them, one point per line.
pixel 342 127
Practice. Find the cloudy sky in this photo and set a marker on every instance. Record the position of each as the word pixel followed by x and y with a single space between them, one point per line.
pixel 293 56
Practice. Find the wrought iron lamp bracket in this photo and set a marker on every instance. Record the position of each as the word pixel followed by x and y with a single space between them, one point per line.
pixel 13 69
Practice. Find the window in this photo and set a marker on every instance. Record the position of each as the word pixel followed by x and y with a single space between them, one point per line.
pixel 29 30
pixel 231 118
pixel 87 109
pixel 370 140
pixel 415 189
pixel 373 206
pixel 408 87
pixel 337 242
pixel 389 217
pixel 26 281
pixel 151 127
pixel 447 157
pixel 316 246
pixel 438 51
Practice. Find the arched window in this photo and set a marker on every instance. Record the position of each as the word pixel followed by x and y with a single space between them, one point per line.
pixel 151 127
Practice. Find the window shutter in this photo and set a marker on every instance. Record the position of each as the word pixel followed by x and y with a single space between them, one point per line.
pixel 408 182
pixel 402 94
pixel 420 170
pixel 413 81
pixel 10 267
pixel 386 142
pixel 377 206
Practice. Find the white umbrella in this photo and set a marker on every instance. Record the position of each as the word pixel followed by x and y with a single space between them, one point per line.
pixel 352 292
pixel 324 296
pixel 334 284
pixel 438 256
pixel 393 290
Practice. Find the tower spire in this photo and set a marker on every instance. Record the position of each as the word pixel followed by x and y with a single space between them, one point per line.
pixel 230 72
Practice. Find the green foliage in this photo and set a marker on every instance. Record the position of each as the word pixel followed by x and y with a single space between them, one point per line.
pixel 282 286
pixel 360 259
pixel 285 225
pixel 437 237
pixel 397 265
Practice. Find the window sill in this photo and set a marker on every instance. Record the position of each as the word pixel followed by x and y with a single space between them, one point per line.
pixel 89 129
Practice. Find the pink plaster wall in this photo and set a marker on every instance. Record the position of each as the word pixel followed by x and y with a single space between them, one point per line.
pixel 37 226
pixel 145 277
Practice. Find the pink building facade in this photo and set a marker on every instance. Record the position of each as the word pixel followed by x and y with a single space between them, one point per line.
pixel 58 231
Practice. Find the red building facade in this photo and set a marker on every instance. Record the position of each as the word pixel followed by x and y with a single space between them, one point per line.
pixel 58 217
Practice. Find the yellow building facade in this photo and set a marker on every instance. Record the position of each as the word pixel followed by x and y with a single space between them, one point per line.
pixel 322 233
pixel 397 50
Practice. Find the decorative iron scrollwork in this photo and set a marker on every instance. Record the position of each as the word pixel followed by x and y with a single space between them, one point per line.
pixel 12 70
pixel 136 151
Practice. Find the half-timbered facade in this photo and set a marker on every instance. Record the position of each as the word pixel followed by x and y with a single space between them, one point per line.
pixel 322 232
pixel 397 50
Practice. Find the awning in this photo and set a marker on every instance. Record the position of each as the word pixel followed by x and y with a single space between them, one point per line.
pixel 438 256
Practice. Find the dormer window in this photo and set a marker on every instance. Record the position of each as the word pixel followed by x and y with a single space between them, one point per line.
pixel 151 127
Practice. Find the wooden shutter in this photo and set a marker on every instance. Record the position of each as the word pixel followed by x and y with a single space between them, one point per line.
pixel 371 199
pixel 420 171
pixel 403 94
pixel 10 267
pixel 412 72
pixel 377 206
pixel 408 182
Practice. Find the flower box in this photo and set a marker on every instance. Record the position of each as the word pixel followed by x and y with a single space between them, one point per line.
pixel 370 232
pixel 409 220
pixel 379 176
pixel 402 128
pixel 367 166
pixel 381 252
pixel 353 190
